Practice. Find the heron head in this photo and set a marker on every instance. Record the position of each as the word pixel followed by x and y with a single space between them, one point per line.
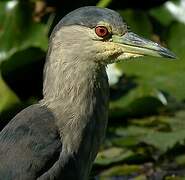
pixel 100 35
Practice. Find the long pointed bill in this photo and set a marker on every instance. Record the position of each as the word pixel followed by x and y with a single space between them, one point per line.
pixel 134 44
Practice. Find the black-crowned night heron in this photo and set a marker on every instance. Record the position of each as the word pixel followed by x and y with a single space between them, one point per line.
pixel 59 137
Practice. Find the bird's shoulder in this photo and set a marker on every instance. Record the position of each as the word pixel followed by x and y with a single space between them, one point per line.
pixel 29 144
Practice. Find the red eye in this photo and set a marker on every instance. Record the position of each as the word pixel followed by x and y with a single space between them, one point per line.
pixel 101 31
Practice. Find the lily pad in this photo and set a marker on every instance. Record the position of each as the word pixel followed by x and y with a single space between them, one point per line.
pixel 112 155
pixel 165 140
pixel 120 171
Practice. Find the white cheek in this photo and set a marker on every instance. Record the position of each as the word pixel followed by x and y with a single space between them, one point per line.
pixel 93 36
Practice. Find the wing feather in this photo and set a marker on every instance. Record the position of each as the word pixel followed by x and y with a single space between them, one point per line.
pixel 29 145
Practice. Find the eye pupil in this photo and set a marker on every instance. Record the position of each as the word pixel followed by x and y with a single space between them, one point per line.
pixel 101 31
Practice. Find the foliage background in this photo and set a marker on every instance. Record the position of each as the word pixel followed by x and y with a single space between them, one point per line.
pixel 146 136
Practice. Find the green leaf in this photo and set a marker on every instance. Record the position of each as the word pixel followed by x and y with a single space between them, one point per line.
pixel 21 59
pixel 176 41
pixel 130 136
pixel 17 29
pixel 132 131
pixel 165 140
pixel 120 171
pixel 177 122
pixel 7 97
pixel 128 141
pixel 138 21
pixel 180 160
pixel 112 155
pixel 134 106
pixel 103 3
pixel 162 15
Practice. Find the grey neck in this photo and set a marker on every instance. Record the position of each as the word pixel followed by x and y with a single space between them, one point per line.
pixel 73 82
pixel 77 92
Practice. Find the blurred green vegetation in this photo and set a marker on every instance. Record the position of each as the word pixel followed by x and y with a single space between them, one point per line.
pixel 146 136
